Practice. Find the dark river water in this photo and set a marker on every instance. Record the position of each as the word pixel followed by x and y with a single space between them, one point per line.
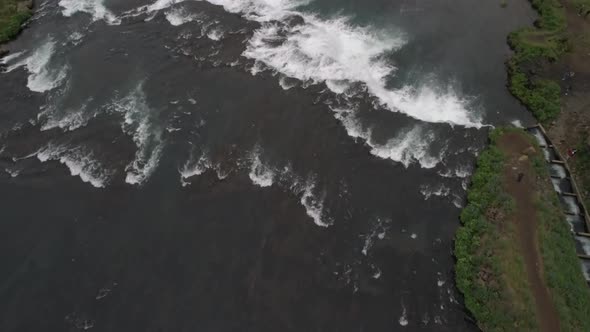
pixel 254 165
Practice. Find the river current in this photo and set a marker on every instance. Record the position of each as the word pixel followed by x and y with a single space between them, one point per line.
pixel 254 165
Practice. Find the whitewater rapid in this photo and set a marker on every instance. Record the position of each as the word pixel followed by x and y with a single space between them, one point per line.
pixel 299 46
pixel 319 50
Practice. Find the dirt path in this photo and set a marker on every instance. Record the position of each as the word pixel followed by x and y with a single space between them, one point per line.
pixel 513 145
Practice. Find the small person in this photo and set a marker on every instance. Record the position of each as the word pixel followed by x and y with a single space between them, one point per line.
pixel 571 153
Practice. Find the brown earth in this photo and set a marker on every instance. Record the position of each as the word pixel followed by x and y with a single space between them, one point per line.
pixel 515 146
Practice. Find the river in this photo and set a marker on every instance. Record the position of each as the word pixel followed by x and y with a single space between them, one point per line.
pixel 255 165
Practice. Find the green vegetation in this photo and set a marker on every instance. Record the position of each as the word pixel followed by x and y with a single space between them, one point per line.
pixel 488 272
pixel 532 47
pixel 13 14
pixel 566 283
pixel 490 269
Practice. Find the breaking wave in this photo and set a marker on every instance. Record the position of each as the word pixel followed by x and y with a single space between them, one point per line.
pixel 314 204
pixel 139 123
pixel 94 8
pixel 180 16
pixel 42 77
pixel 315 50
pixel 408 146
pixel 439 190
pixel 339 54
pixel 260 174
pixel 215 34
pixel 79 161
pixel 194 167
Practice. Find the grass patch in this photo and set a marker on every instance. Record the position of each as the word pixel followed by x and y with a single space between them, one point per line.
pixel 13 14
pixel 532 47
pixel 490 270
pixel 566 283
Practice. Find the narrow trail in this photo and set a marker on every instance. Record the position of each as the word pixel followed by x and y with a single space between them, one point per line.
pixel 526 221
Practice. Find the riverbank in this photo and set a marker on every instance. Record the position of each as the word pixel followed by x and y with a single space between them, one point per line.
pixel 513 227
pixel 550 74
pixel 13 14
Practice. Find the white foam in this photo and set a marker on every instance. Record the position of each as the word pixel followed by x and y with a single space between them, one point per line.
pixel 377 231
pixel 369 239
pixel 458 201
pixel 572 221
pixel 337 53
pixel 558 170
pixel 539 137
pixel 10 57
pixel 13 172
pixel 409 146
pixel 80 163
pixel 94 8
pixel 285 84
pixel 517 123
pixel 71 120
pixel 76 37
pixel 41 76
pixel 572 204
pixel 162 4
pixel 585 269
pixel 377 274
pixel 147 136
pixel 260 174
pixel 440 190
pixel 546 154
pixel 403 319
pixel 180 16
pixel 194 168
pixel 585 243
pixel 215 34
pixel 261 10
pixel 156 6
pixel 556 185
pixel 314 205
pixel 461 171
